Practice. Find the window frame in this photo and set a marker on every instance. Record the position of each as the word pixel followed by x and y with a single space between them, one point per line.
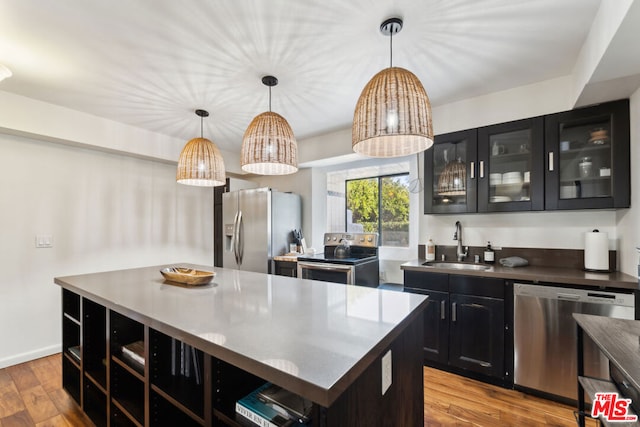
pixel 379 178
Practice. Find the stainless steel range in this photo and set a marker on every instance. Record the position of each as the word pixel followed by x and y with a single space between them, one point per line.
pixel 349 258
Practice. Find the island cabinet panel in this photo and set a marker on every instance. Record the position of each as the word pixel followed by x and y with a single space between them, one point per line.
pixel 126 369
pixel 177 374
pixel 94 342
pixel 228 385
pixel 363 404
pixel 71 349
pixel 94 356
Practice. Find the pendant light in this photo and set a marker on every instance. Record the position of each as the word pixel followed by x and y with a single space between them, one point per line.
pixel 268 145
pixel 200 161
pixel 393 114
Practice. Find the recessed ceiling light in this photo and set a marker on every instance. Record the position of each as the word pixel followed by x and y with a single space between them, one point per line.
pixel 5 73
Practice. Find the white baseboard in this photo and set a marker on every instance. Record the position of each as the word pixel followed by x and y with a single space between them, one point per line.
pixel 31 355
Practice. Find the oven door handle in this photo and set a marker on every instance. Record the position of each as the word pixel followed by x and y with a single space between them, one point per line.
pixel 324 266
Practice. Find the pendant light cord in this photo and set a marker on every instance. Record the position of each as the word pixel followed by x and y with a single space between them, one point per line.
pixel 269 98
pixel 201 127
pixel 391 48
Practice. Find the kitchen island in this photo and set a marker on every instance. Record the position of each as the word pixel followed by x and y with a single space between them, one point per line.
pixel 206 347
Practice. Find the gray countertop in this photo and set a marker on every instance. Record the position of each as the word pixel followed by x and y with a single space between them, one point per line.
pixel 312 337
pixel 619 341
pixel 539 274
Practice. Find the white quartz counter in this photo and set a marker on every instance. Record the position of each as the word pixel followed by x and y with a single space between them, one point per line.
pixel 312 337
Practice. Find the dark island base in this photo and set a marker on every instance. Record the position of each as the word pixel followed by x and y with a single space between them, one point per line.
pixel 113 391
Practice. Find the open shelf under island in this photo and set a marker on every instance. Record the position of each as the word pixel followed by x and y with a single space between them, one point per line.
pixel 201 349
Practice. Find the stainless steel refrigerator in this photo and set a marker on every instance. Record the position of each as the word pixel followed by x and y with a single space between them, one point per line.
pixel 257 225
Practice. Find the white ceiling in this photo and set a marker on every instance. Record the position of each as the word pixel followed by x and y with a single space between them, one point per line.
pixel 150 63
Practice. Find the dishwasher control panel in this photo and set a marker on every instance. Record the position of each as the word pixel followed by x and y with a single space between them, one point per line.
pixel 594 296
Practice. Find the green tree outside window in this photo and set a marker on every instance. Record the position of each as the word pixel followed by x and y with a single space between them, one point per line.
pixel 380 205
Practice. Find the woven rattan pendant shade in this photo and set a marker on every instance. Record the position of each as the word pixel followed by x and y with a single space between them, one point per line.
pixel 201 162
pixel 268 145
pixel 393 114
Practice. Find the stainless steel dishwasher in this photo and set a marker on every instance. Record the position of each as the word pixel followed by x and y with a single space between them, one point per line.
pixel 544 335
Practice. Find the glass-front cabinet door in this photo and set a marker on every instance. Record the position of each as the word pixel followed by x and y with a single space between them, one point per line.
pixel 450 173
pixel 586 162
pixel 510 166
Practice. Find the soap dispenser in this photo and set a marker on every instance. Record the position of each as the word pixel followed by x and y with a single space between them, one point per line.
pixel 431 250
pixel 489 254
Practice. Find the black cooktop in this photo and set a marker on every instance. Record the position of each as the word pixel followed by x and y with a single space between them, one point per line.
pixel 354 258
pixel 363 247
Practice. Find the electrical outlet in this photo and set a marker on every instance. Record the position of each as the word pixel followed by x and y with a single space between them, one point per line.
pixel 386 372
pixel 383 276
pixel 44 241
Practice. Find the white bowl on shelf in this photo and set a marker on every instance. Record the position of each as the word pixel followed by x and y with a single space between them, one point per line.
pixel 511 190
pixel 511 177
pixel 499 199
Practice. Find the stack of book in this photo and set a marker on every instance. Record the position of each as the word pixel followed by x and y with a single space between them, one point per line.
pixel 134 353
pixel 75 352
pixel 273 406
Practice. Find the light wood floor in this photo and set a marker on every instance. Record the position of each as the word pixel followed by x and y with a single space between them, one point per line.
pixel 452 400
pixel 31 394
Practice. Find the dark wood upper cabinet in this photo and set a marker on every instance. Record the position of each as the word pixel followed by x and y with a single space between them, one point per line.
pixel 576 159
pixel 510 166
pixel 587 157
pixel 450 173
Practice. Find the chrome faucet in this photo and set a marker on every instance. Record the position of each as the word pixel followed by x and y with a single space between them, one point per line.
pixel 460 254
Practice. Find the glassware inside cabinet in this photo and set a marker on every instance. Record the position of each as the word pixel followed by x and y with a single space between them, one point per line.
pixel 510 166
pixel 450 173
pixel 585 160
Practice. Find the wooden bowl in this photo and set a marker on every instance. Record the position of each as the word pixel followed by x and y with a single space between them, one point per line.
pixel 187 276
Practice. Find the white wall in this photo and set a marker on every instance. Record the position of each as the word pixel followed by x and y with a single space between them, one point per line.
pixel 628 220
pixel 104 211
pixel 31 118
pixel 546 97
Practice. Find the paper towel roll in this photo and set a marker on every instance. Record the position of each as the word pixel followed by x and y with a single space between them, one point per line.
pixel 596 251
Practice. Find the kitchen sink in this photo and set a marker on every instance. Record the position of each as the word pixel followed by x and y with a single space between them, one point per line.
pixel 457 266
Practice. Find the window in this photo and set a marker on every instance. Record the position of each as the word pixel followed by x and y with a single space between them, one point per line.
pixel 379 205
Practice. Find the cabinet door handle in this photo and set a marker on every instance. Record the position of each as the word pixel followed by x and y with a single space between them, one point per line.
pixel 453 311
pixel 481 168
pixel 443 307
pixel 473 170
pixel 550 161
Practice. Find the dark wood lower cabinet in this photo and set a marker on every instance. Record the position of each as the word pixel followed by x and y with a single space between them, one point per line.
pixel 286 268
pixel 476 334
pixel 465 324
pixel 436 326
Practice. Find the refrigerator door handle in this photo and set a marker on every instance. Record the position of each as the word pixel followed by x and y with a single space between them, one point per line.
pixel 234 237
pixel 240 238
